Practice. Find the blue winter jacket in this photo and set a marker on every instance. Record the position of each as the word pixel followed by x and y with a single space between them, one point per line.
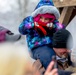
pixel 33 38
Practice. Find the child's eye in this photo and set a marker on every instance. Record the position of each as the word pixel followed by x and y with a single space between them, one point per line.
pixel 41 17
pixel 47 19
pixel 51 19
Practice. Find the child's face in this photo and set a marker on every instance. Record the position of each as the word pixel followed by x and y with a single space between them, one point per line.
pixel 43 19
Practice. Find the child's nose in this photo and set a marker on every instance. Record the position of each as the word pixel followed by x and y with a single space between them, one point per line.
pixel 43 20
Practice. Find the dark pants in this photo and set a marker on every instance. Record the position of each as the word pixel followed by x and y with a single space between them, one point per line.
pixel 43 53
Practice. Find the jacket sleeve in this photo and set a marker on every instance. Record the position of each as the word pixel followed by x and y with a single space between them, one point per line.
pixel 26 25
pixel 58 25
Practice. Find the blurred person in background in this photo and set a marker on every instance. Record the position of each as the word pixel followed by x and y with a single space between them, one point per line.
pixel 15 60
pixel 7 35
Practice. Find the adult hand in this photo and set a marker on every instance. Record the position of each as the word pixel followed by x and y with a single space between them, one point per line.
pixel 50 70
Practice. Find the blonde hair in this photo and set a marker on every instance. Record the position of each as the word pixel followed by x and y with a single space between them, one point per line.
pixel 14 59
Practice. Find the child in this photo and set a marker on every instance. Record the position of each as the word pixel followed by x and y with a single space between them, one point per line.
pixel 39 28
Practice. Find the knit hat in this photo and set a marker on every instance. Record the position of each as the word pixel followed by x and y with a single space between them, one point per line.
pixel 62 39
pixel 46 6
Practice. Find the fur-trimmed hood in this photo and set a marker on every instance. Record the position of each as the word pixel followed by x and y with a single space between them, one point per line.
pixel 46 6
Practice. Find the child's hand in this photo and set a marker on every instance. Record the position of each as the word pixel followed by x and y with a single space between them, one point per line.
pixel 50 70
pixel 50 25
pixel 36 24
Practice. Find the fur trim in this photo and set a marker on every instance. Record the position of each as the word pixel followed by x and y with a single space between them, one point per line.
pixel 46 9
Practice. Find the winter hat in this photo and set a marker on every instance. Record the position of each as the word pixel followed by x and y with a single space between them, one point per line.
pixel 46 6
pixel 62 39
